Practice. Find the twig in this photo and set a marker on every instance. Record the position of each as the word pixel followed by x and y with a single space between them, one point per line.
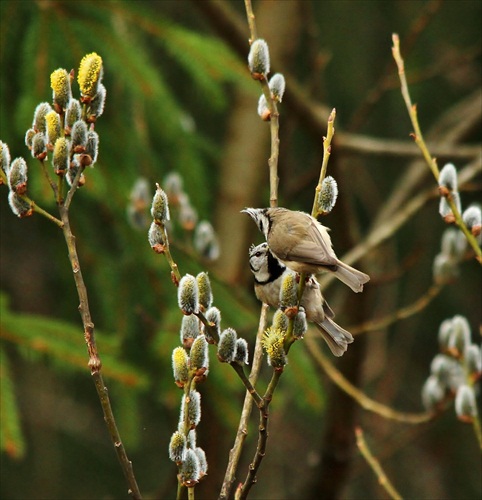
pixel 330 132
pixel 95 364
pixel 375 465
pixel 419 140
pixel 235 453
pixel 402 313
pixel 43 212
pixel 362 399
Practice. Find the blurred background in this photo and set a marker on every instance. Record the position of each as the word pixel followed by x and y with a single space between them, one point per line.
pixel 180 99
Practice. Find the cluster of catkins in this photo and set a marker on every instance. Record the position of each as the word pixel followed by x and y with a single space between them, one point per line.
pixel 205 240
pixel 455 370
pixel 454 242
pixel 289 311
pixel 201 326
pixel 64 128
pixel 190 364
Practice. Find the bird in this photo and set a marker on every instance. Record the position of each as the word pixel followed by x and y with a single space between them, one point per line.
pixel 269 273
pixel 304 245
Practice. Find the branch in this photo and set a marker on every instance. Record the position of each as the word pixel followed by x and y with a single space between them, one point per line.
pixel 420 141
pixel 375 465
pixel 362 399
pixel 94 359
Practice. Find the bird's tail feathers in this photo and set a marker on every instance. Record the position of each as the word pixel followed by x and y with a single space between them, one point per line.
pixel 351 276
pixel 335 336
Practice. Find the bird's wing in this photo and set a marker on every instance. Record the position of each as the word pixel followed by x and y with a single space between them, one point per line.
pixel 314 248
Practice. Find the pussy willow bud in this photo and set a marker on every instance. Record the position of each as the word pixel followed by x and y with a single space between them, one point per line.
pixel 189 330
pixel 205 292
pixel 20 207
pixel 199 355
pixel 188 216
pixel 444 332
pixel 79 136
pixel 4 159
pixel 444 208
pixel 300 325
pixel 289 292
pixel 17 176
pixel 61 156
pixel 41 111
pixel 272 342
pixel 227 346
pixel 258 59
pixel 73 114
pixel 206 242
pixel 328 195
pixel 39 146
pixel 97 105
pixel 156 238
pixel 460 336
pixel 160 206
pixel 180 367
pixel 465 405
pixel 92 145
pixel 449 243
pixel 187 295
pixel 90 75
pixel 177 447
pixel 432 393
pixel 190 471
pixel 473 361
pixel 193 409
pixel 241 356
pixel 203 463
pixel 448 178
pixel 473 219
pixel 74 169
pixel 263 109
pixel 448 371
pixel 29 135
pixel 60 84
pixel 52 120
pixel 280 321
pixel 445 269
pixel 277 86
pixel 173 186
pixel 213 315
pixel 191 438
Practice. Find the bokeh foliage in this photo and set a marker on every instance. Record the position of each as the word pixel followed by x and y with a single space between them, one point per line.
pixel 171 83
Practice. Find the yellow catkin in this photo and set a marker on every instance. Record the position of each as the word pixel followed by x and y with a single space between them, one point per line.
pixel 90 70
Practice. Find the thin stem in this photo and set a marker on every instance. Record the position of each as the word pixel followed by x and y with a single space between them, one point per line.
pixel 330 131
pixel 419 140
pixel 375 465
pixel 95 364
pixel 362 399
pixel 235 453
pixel 251 20
pixel 402 313
pixel 49 180
pixel 43 212
pixel 477 430
pixel 175 274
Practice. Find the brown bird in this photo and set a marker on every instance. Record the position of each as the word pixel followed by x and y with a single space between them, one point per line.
pixel 303 244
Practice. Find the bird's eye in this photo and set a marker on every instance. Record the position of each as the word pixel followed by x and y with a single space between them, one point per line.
pixel 258 254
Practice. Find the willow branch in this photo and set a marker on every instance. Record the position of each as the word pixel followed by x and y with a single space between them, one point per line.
pixel 235 453
pixel 94 363
pixel 375 465
pixel 362 399
pixel 419 140
pixel 402 313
